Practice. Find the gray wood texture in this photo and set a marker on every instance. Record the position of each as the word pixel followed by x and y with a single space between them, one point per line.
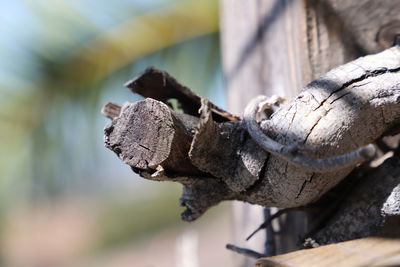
pixel 263 44
pixel 273 47
pixel 276 47
pixel 351 106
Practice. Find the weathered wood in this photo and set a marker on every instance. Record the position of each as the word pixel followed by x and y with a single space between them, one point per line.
pixel 159 85
pixel 372 251
pixel 148 134
pixel 282 46
pixel 365 20
pixel 373 197
pixel 320 122
pixel 339 31
pixel 349 107
pixel 285 44
pixel 264 52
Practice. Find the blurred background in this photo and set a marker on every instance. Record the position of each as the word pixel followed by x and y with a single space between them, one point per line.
pixel 65 200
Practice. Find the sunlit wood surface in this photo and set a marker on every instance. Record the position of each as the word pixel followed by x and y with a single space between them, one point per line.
pixel 371 251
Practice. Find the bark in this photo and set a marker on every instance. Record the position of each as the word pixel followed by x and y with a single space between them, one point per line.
pixel 215 158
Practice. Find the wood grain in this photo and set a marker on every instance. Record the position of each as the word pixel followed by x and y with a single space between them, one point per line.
pixel 371 251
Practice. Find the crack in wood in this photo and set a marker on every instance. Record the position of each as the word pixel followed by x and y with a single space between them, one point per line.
pixel 367 74
pixel 312 128
pixel 340 97
pixel 306 181
pixel 144 147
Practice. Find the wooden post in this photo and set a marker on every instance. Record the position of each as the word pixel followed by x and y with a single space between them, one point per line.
pixel 263 44
pixel 276 48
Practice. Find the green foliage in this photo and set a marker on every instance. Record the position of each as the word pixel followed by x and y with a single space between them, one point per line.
pixel 61 61
pixel 52 122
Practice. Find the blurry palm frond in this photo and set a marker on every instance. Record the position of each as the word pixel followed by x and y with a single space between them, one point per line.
pixel 52 125
pixel 61 61
pixel 141 36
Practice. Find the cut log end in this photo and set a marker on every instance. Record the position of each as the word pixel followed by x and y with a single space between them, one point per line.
pixel 146 134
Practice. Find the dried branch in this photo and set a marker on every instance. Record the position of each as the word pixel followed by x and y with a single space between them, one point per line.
pixel 289 159
pixel 292 154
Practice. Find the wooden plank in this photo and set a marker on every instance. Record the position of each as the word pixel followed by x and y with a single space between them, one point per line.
pixel 371 251
pixel 264 48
